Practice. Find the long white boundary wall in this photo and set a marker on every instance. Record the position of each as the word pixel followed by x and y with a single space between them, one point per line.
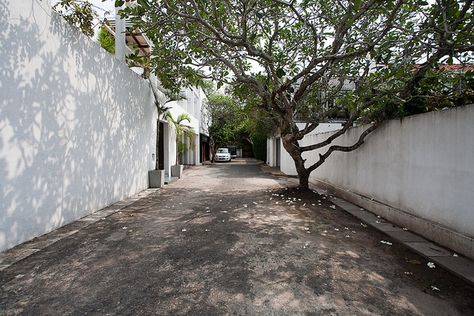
pixel 418 171
pixel 77 127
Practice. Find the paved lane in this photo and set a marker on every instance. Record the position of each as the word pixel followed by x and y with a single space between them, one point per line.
pixel 229 239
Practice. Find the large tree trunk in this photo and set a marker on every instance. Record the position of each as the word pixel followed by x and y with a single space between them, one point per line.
pixel 292 147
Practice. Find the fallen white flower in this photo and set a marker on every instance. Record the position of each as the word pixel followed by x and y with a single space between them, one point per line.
pixel 183 230
pixel 431 265
pixel 386 242
pixel 363 225
pixel 333 207
pixel 434 288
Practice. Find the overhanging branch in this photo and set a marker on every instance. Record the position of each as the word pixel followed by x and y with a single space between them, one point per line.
pixel 360 141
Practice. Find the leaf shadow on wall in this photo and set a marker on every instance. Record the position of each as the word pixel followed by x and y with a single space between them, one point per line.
pixel 74 125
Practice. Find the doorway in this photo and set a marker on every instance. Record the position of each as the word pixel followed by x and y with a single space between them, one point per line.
pixel 161 147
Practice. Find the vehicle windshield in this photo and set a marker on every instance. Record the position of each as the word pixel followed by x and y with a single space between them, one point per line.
pixel 222 150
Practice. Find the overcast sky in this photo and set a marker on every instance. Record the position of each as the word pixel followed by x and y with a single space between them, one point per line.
pixel 107 5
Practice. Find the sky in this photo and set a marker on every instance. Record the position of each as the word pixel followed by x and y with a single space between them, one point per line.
pixel 107 5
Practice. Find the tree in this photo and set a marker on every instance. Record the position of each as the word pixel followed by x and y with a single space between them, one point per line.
pixel 296 56
pixel 77 13
pixel 106 40
pixel 223 117
pixel 182 131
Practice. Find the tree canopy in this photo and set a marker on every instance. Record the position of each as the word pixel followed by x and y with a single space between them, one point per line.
pixel 224 118
pixel 298 56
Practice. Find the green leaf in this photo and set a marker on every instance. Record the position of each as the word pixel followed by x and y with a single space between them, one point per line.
pixel 357 4
pixel 280 73
pixel 119 3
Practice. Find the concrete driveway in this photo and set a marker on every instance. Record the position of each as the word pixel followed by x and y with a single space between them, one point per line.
pixel 230 239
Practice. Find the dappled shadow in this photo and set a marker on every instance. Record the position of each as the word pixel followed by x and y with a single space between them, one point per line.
pixel 196 252
pixel 194 247
pixel 75 124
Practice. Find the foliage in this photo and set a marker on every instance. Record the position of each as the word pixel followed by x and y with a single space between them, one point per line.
pixel 294 58
pixel 106 40
pixel 182 131
pixel 78 13
pixel 224 119
pixel 230 122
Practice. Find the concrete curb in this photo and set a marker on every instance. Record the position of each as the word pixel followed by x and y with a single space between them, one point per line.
pixel 458 265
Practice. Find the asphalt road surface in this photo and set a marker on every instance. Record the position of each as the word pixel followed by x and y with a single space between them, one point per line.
pixel 229 239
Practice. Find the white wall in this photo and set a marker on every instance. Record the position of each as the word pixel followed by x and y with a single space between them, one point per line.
pixel 191 105
pixel 422 165
pixel 77 127
pixel 270 151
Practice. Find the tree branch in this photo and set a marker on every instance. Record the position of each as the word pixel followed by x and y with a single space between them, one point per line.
pixel 352 147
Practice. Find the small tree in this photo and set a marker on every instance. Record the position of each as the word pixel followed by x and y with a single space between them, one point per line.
pixel 182 132
pixel 161 110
